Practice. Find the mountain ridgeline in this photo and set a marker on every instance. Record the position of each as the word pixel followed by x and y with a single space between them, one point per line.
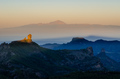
pixel 23 60
pixel 81 43
pixel 111 47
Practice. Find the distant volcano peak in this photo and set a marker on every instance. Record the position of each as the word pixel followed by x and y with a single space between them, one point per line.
pixel 57 22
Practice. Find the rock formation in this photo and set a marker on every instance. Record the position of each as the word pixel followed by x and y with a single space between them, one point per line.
pixel 29 40
pixel 107 62
pixel 90 51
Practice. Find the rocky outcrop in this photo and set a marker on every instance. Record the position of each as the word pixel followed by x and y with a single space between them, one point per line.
pixel 5 52
pixel 82 60
pixel 102 53
pixel 4 46
pixel 90 51
pixel 29 40
pixel 107 62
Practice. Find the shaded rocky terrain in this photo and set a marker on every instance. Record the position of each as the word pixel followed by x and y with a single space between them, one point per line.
pixel 108 63
pixel 111 47
pixel 22 60
pixel 89 75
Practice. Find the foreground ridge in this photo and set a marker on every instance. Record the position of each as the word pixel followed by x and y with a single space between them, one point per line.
pixel 23 60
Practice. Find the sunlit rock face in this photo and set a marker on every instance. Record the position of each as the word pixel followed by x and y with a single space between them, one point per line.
pixel 29 40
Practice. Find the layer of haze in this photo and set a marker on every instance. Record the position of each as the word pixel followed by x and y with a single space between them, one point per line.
pixel 21 12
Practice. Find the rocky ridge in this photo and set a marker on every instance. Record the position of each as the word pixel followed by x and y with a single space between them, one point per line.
pixel 17 58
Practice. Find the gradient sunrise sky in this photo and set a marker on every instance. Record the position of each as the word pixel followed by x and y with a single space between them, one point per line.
pixel 21 12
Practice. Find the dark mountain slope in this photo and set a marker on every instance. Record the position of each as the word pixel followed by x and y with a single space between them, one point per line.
pixel 17 58
pixel 109 63
pixel 89 75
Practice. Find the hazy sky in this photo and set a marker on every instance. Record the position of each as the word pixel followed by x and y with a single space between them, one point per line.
pixel 21 12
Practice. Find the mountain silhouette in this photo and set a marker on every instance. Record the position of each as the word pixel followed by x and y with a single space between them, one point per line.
pixel 29 60
pixel 57 22
pixel 111 47
pixel 57 29
pixel 78 43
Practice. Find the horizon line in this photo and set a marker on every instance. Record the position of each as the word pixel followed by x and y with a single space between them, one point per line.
pixel 59 24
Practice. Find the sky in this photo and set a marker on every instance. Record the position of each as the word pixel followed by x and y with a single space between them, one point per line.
pixel 15 13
